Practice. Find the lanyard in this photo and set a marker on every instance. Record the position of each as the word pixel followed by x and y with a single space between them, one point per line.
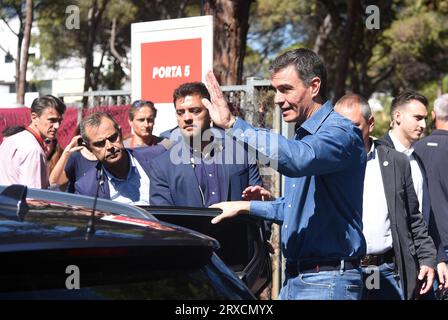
pixel 37 136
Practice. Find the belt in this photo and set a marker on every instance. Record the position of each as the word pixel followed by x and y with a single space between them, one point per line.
pixel 296 267
pixel 378 259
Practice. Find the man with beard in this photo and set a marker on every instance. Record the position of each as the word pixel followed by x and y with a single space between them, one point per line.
pixel 204 166
pixel 121 174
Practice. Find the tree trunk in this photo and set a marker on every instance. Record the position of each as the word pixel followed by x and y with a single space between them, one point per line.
pixel 96 14
pixel 24 53
pixel 231 23
pixel 353 15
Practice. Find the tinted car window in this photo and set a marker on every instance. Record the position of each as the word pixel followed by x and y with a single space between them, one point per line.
pixel 199 284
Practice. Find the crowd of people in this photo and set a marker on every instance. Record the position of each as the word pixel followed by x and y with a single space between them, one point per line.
pixel 361 217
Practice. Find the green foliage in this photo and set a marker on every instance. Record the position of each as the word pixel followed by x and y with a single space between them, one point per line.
pixel 382 118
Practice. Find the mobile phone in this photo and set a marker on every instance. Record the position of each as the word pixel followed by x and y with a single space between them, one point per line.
pixel 81 142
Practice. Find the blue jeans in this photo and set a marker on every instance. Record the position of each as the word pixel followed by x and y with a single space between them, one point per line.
pixel 323 285
pixel 388 288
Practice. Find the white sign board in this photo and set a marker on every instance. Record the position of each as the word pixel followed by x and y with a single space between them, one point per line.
pixel 166 54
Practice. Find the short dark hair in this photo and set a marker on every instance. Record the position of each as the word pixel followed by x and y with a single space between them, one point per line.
pixel 191 88
pixel 94 120
pixel 404 97
pixel 12 130
pixel 308 65
pixel 48 101
pixel 137 104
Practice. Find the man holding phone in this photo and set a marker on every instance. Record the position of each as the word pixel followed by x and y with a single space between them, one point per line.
pixel 121 174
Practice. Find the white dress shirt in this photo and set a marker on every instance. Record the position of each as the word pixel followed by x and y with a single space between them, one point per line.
pixel 417 176
pixel 23 161
pixel 375 216
pixel 132 190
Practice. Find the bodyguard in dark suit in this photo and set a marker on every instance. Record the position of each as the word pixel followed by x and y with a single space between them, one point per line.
pixel 433 153
pixel 398 244
pixel 409 112
pixel 204 166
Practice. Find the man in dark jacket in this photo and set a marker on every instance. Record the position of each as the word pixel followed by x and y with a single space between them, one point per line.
pixel 121 174
pixel 398 245
pixel 204 166
pixel 409 112
pixel 433 152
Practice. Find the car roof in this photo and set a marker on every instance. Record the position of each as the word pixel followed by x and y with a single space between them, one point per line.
pixel 62 222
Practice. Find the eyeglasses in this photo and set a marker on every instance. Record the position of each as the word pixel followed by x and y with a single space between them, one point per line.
pixel 100 144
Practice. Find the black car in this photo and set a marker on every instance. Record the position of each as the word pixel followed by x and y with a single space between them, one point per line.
pixel 55 246
pixel 243 240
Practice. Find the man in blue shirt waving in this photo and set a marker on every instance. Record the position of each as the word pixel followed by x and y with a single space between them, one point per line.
pixel 324 165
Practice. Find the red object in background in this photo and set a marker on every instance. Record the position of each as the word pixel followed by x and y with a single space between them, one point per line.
pixel 168 64
pixel 21 116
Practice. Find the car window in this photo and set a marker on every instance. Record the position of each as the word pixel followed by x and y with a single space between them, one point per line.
pixel 178 284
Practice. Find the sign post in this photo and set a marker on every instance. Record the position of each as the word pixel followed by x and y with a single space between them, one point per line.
pixel 166 54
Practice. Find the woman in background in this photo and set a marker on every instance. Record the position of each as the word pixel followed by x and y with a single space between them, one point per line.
pixel 142 115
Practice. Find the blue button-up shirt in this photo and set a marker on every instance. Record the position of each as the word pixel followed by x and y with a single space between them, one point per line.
pixel 209 175
pixel 324 167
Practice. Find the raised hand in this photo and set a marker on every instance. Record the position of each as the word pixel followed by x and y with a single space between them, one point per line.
pixel 218 108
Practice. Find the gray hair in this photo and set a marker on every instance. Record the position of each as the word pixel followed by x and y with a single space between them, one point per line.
pixel 441 107
pixel 351 99
pixel 94 120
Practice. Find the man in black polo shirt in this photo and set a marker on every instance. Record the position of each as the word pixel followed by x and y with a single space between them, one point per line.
pixel 433 151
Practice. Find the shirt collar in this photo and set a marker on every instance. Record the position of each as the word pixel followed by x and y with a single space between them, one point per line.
pixel 372 152
pixel 439 132
pixel 399 146
pixel 313 123
pixel 132 166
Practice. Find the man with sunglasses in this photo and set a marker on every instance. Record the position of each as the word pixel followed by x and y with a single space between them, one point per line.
pixel 121 174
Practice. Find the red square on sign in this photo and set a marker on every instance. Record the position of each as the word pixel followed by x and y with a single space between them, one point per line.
pixel 168 64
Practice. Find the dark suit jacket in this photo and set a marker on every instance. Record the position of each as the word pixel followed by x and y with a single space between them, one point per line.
pixel 412 245
pixel 433 151
pixel 176 184
pixel 88 184
pixel 428 214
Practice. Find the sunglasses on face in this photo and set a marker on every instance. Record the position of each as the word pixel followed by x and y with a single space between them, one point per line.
pixel 100 144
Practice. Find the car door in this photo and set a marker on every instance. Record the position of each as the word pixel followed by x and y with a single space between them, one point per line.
pixel 243 240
